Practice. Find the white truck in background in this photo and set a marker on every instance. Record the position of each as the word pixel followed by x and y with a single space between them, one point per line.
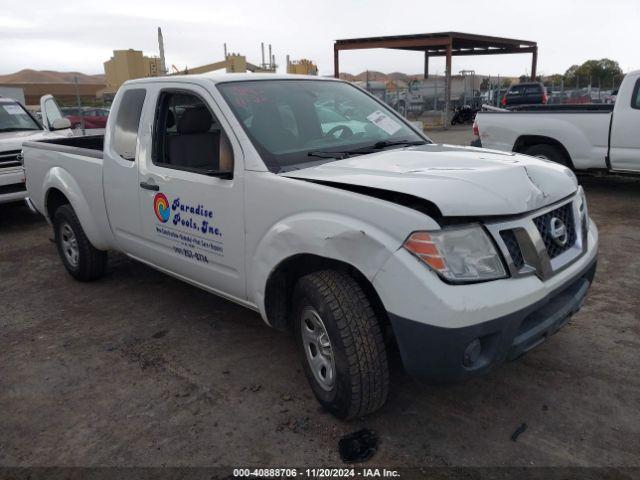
pixel 583 137
pixel 354 238
pixel 17 125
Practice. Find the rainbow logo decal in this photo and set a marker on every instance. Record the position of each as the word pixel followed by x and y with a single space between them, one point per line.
pixel 161 207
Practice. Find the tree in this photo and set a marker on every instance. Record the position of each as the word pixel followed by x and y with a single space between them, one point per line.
pixel 555 80
pixel 593 72
pixel 485 84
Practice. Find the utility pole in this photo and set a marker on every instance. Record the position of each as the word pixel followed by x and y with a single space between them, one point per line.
pixel 75 80
pixel 163 66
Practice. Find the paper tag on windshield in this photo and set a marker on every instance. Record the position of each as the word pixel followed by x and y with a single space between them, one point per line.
pixel 384 122
pixel 13 109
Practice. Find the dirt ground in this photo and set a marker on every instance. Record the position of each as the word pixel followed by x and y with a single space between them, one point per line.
pixel 141 369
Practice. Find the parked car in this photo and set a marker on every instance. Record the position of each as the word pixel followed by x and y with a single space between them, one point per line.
pixel 525 94
pixel 94 117
pixel 17 124
pixel 582 137
pixel 611 98
pixel 354 239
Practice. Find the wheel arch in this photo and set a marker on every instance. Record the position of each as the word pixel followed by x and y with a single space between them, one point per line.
pixel 523 142
pixel 53 200
pixel 320 238
pixel 283 278
pixel 61 188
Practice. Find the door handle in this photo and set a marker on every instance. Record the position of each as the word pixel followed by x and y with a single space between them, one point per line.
pixel 149 186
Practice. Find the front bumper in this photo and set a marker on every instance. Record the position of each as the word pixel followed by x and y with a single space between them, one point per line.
pixel 12 185
pixel 441 355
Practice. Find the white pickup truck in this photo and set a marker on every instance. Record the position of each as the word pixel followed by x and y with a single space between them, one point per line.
pixel 17 125
pixel 357 235
pixel 583 137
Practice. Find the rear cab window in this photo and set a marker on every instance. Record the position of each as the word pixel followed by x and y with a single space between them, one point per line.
pixel 125 132
pixel 516 90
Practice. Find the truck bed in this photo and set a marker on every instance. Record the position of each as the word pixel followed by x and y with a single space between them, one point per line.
pixel 72 164
pixel 583 130
pixel 565 108
pixel 90 145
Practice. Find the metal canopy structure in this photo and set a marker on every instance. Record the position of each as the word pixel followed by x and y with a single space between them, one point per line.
pixel 445 44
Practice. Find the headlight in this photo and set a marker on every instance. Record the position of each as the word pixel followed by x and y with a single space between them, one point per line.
pixel 584 211
pixel 462 254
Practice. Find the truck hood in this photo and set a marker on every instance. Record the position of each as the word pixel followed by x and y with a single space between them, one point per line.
pixel 460 181
pixel 13 140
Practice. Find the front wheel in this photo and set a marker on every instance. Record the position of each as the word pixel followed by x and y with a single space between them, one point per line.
pixel 81 259
pixel 341 344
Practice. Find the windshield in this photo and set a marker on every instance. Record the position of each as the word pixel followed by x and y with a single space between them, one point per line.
pixel 14 118
pixel 298 123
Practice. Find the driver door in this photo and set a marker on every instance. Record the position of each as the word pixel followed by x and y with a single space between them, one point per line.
pixel 191 192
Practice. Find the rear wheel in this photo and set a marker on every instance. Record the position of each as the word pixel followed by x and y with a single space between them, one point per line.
pixel 547 152
pixel 81 259
pixel 341 344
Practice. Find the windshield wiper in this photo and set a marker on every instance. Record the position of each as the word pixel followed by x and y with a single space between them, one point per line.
pixel 386 143
pixel 341 155
pixel 338 155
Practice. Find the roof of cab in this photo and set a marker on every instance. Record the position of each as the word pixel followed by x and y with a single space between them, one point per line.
pixel 228 77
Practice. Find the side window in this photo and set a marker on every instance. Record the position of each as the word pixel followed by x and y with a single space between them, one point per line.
pixel 189 137
pixel 635 97
pixel 125 134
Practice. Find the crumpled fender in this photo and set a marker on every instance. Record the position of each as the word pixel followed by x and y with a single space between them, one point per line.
pixel 325 234
pixel 59 178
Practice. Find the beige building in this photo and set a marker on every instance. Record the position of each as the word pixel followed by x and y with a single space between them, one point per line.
pixel 126 65
pixel 301 67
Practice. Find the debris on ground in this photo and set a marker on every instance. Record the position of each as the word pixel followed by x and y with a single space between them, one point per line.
pixel 358 446
pixel 519 431
pixel 160 334
pixel 295 425
pixel 255 388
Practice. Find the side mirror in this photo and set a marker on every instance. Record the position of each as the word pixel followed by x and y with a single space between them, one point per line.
pixel 61 124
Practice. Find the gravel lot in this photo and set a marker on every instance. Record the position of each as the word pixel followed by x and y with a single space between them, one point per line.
pixel 141 369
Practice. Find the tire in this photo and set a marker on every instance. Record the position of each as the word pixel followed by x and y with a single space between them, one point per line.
pixel 81 259
pixel 547 152
pixel 360 381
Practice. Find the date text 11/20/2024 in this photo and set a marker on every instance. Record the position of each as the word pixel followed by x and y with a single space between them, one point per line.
pixel 315 472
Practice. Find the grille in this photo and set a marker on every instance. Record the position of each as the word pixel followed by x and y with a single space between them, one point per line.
pixel 543 224
pixel 9 159
pixel 13 188
pixel 510 240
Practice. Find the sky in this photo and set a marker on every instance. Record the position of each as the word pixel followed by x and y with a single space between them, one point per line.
pixel 72 35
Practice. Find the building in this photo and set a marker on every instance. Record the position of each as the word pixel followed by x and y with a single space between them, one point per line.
pixel 15 93
pixel 64 93
pixel 126 65
pixel 301 67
